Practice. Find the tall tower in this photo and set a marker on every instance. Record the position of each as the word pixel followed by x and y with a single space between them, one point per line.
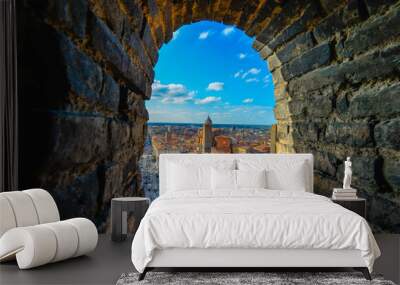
pixel 207 135
pixel 168 135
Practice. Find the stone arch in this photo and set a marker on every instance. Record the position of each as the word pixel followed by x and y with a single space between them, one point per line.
pixel 335 75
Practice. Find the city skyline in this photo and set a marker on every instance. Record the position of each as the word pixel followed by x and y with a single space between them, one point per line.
pixel 198 75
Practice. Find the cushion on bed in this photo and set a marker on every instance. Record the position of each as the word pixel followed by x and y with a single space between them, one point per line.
pixel 188 175
pixel 223 179
pixel 251 178
pixel 288 175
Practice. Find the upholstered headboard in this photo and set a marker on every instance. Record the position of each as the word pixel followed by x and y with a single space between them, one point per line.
pixel 210 159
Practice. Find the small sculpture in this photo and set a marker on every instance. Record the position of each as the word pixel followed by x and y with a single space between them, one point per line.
pixel 347 174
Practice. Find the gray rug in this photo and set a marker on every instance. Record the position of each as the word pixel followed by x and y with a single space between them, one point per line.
pixel 242 278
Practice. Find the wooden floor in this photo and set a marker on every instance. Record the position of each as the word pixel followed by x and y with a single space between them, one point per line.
pixel 110 260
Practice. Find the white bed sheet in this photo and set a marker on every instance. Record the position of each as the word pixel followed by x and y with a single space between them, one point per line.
pixel 251 218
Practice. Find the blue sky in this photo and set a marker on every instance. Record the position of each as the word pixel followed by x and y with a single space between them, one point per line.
pixel 211 69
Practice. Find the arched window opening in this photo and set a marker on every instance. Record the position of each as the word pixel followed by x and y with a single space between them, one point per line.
pixel 212 93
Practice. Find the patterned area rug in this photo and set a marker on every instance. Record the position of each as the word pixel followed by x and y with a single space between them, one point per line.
pixel 242 278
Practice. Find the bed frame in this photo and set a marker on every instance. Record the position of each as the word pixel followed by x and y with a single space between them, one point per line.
pixel 248 259
pixel 245 259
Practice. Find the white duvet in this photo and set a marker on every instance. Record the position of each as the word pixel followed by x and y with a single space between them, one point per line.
pixel 253 218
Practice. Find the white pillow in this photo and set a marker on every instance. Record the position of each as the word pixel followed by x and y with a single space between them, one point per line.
pixel 282 174
pixel 223 179
pixel 182 178
pixel 251 178
pixel 294 179
pixel 193 175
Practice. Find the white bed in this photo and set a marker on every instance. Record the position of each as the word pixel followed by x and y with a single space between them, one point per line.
pixel 227 226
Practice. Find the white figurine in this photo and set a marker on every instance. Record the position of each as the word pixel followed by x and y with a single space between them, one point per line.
pixel 347 174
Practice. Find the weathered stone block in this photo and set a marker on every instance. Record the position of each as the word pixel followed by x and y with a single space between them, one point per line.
pixel 280 92
pixel 281 110
pixel 364 168
pixel 134 42
pixel 379 6
pixel 381 102
pixel 135 13
pixel 72 14
pixel 247 12
pixel 257 45
pixel 319 106
pixel 376 65
pixel 331 5
pixel 139 109
pixel 167 23
pixel 79 199
pixel 121 143
pixel 342 104
pixel 273 62
pixel 311 13
pixel 200 11
pixel 323 184
pixel 297 107
pixel 77 139
pixel 352 134
pixel 372 33
pixel 281 20
pixel 149 44
pixel 326 163
pixel 284 133
pixel 296 47
pixel 117 177
pixel 86 78
pixel 316 57
pixel 391 172
pixel 267 11
pixel 307 131
pixel 236 8
pixel 265 51
pixel 104 41
pixel 354 12
pixel 387 134
pixel 116 20
pixel 383 211
pixel 329 26
pixel 277 76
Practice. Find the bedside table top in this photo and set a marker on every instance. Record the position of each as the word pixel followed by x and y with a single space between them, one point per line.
pixel 130 199
pixel 350 200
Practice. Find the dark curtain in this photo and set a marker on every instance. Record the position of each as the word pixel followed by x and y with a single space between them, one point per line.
pixel 8 97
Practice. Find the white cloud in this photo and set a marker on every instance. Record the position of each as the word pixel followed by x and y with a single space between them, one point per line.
pixel 204 35
pixel 242 55
pixel 207 100
pixel 227 31
pixel 248 100
pixel 238 74
pixel 175 34
pixel 252 80
pixel 215 86
pixel 174 93
pixel 267 80
pixel 253 71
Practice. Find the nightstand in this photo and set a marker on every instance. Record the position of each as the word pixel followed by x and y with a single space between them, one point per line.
pixel 120 208
pixel 357 205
